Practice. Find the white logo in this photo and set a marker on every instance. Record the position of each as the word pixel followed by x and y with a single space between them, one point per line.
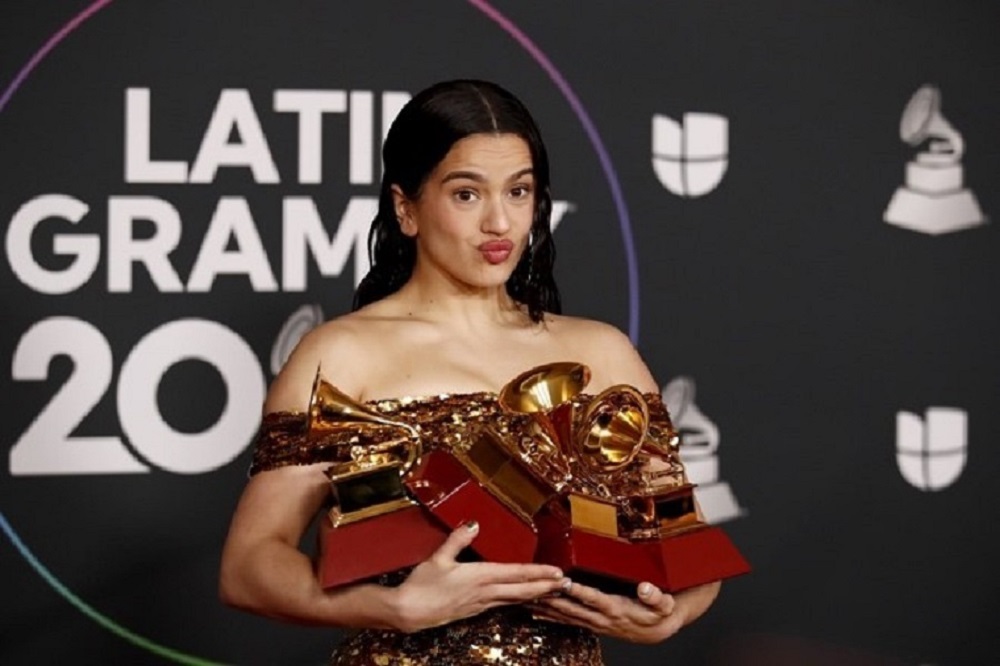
pixel 933 200
pixel 303 320
pixel 699 443
pixel 690 160
pixel 931 452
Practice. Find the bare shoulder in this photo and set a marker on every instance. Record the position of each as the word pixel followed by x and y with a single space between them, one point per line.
pixel 610 353
pixel 581 329
pixel 337 348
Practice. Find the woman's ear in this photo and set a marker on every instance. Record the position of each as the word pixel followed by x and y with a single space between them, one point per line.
pixel 404 212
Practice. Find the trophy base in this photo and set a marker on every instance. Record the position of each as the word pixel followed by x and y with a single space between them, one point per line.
pixel 934 213
pixel 455 496
pixel 361 550
pixel 672 563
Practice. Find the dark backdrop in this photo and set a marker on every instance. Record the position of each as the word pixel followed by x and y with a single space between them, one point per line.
pixel 845 423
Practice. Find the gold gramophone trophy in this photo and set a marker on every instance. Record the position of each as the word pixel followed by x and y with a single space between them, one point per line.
pixel 368 496
pixel 628 514
pixel 500 479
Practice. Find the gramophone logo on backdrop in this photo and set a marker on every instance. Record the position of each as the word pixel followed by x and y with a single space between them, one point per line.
pixel 933 200
pixel 300 322
pixel 931 451
pixel 690 159
pixel 699 444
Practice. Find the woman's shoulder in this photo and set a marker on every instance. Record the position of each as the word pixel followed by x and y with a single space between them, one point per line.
pixel 612 357
pixel 337 349
pixel 352 332
pixel 348 328
pixel 581 330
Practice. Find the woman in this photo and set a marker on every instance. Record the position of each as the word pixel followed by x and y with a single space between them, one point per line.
pixel 459 300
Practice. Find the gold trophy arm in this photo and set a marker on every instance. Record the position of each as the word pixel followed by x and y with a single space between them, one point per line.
pixel 413 450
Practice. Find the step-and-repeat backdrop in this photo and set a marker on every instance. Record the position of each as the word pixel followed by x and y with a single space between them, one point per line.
pixel 787 206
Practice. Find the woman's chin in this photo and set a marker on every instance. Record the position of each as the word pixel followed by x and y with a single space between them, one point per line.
pixel 489 280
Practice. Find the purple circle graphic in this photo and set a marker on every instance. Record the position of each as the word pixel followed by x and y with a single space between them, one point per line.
pixel 606 165
pixel 595 140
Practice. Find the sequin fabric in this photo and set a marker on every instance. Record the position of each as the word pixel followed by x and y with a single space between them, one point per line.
pixel 500 636
pixel 443 421
pixel 505 636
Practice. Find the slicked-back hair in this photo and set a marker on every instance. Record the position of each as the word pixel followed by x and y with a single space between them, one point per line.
pixel 420 137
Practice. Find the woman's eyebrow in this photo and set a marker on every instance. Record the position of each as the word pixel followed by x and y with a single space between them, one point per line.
pixel 456 175
pixel 523 172
pixel 479 178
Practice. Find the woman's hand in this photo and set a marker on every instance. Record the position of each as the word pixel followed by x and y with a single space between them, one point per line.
pixel 441 590
pixel 653 617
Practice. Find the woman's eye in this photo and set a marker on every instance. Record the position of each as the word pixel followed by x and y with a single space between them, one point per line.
pixel 520 191
pixel 465 196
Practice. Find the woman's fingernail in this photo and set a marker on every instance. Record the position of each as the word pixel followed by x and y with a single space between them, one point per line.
pixel 566 584
pixel 645 589
pixel 557 573
pixel 472 526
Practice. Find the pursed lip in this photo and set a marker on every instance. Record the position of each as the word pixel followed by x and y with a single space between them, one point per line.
pixel 496 246
pixel 496 251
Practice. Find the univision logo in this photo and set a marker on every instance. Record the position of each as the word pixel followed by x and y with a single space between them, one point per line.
pixel 931 451
pixel 690 159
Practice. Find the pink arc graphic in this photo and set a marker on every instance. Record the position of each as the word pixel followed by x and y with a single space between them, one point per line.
pixel 560 82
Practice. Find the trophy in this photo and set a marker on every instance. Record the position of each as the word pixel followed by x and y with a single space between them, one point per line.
pixel 367 492
pixel 502 479
pixel 630 513
pixel 934 199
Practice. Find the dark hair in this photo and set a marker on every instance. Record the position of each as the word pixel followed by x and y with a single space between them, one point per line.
pixel 420 137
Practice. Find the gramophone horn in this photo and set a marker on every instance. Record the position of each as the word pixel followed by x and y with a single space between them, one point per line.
pixel 545 392
pixel 612 429
pixel 331 409
pixel 922 120
pixel 545 387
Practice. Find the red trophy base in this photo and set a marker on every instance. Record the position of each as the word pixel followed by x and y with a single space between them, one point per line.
pixel 672 563
pixel 358 551
pixel 455 496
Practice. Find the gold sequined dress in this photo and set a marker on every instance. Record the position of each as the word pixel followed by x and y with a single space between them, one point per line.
pixel 505 635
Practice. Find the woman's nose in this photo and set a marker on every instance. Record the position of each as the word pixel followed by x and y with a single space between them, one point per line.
pixel 496 219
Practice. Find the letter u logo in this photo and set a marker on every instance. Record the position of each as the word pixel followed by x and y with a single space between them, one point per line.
pixel 931 452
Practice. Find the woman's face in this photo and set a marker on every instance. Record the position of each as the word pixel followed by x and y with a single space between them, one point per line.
pixel 472 219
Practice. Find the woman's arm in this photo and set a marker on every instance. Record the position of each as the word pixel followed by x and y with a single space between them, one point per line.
pixel 263 571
